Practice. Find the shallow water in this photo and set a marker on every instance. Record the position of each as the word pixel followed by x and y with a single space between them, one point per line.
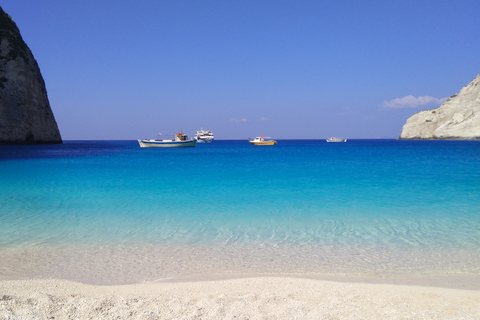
pixel 110 212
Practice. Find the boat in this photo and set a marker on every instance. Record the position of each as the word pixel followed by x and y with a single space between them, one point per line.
pixel 336 139
pixel 204 136
pixel 180 141
pixel 262 141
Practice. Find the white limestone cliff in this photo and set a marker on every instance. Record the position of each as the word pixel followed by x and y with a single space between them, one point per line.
pixel 457 119
pixel 25 113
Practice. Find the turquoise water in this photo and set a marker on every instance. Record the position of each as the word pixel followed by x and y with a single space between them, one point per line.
pixel 410 204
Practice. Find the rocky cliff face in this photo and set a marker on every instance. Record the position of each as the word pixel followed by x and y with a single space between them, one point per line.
pixel 457 119
pixel 25 113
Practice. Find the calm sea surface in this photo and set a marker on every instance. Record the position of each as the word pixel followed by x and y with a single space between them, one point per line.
pixel 110 212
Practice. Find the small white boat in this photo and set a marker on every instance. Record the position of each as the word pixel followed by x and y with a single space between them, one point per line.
pixel 263 141
pixel 180 141
pixel 336 139
pixel 204 136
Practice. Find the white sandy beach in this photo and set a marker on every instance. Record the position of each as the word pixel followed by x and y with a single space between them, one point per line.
pixel 246 298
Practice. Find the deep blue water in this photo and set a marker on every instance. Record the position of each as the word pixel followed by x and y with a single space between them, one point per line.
pixel 398 195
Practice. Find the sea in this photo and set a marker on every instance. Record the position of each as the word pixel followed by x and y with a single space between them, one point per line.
pixel 111 213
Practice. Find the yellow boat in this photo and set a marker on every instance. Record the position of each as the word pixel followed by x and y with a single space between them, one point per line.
pixel 263 141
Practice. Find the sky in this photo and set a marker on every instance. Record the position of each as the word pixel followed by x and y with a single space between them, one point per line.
pixel 125 70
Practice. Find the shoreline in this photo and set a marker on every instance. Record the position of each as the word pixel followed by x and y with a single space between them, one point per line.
pixel 118 265
pixel 457 281
pixel 263 297
pixel 440 280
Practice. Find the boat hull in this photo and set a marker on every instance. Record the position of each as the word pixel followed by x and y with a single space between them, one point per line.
pixel 204 140
pixel 335 139
pixel 166 144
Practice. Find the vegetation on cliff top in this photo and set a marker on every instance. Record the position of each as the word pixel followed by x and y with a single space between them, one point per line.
pixel 10 32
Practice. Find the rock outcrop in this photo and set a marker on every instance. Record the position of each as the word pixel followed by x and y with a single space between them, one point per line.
pixel 25 113
pixel 457 119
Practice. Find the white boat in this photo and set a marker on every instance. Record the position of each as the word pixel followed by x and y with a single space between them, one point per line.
pixel 262 141
pixel 204 136
pixel 180 141
pixel 336 139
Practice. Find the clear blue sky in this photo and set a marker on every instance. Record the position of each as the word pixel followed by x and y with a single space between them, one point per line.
pixel 118 69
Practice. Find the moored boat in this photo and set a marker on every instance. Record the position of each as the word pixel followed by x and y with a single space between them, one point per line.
pixel 180 141
pixel 204 136
pixel 336 139
pixel 263 141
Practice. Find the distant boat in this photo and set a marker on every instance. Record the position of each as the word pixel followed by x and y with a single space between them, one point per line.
pixel 263 141
pixel 180 141
pixel 204 136
pixel 336 139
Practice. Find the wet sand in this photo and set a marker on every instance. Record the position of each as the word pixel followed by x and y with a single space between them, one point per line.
pixel 197 283
pixel 263 297
pixel 121 265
